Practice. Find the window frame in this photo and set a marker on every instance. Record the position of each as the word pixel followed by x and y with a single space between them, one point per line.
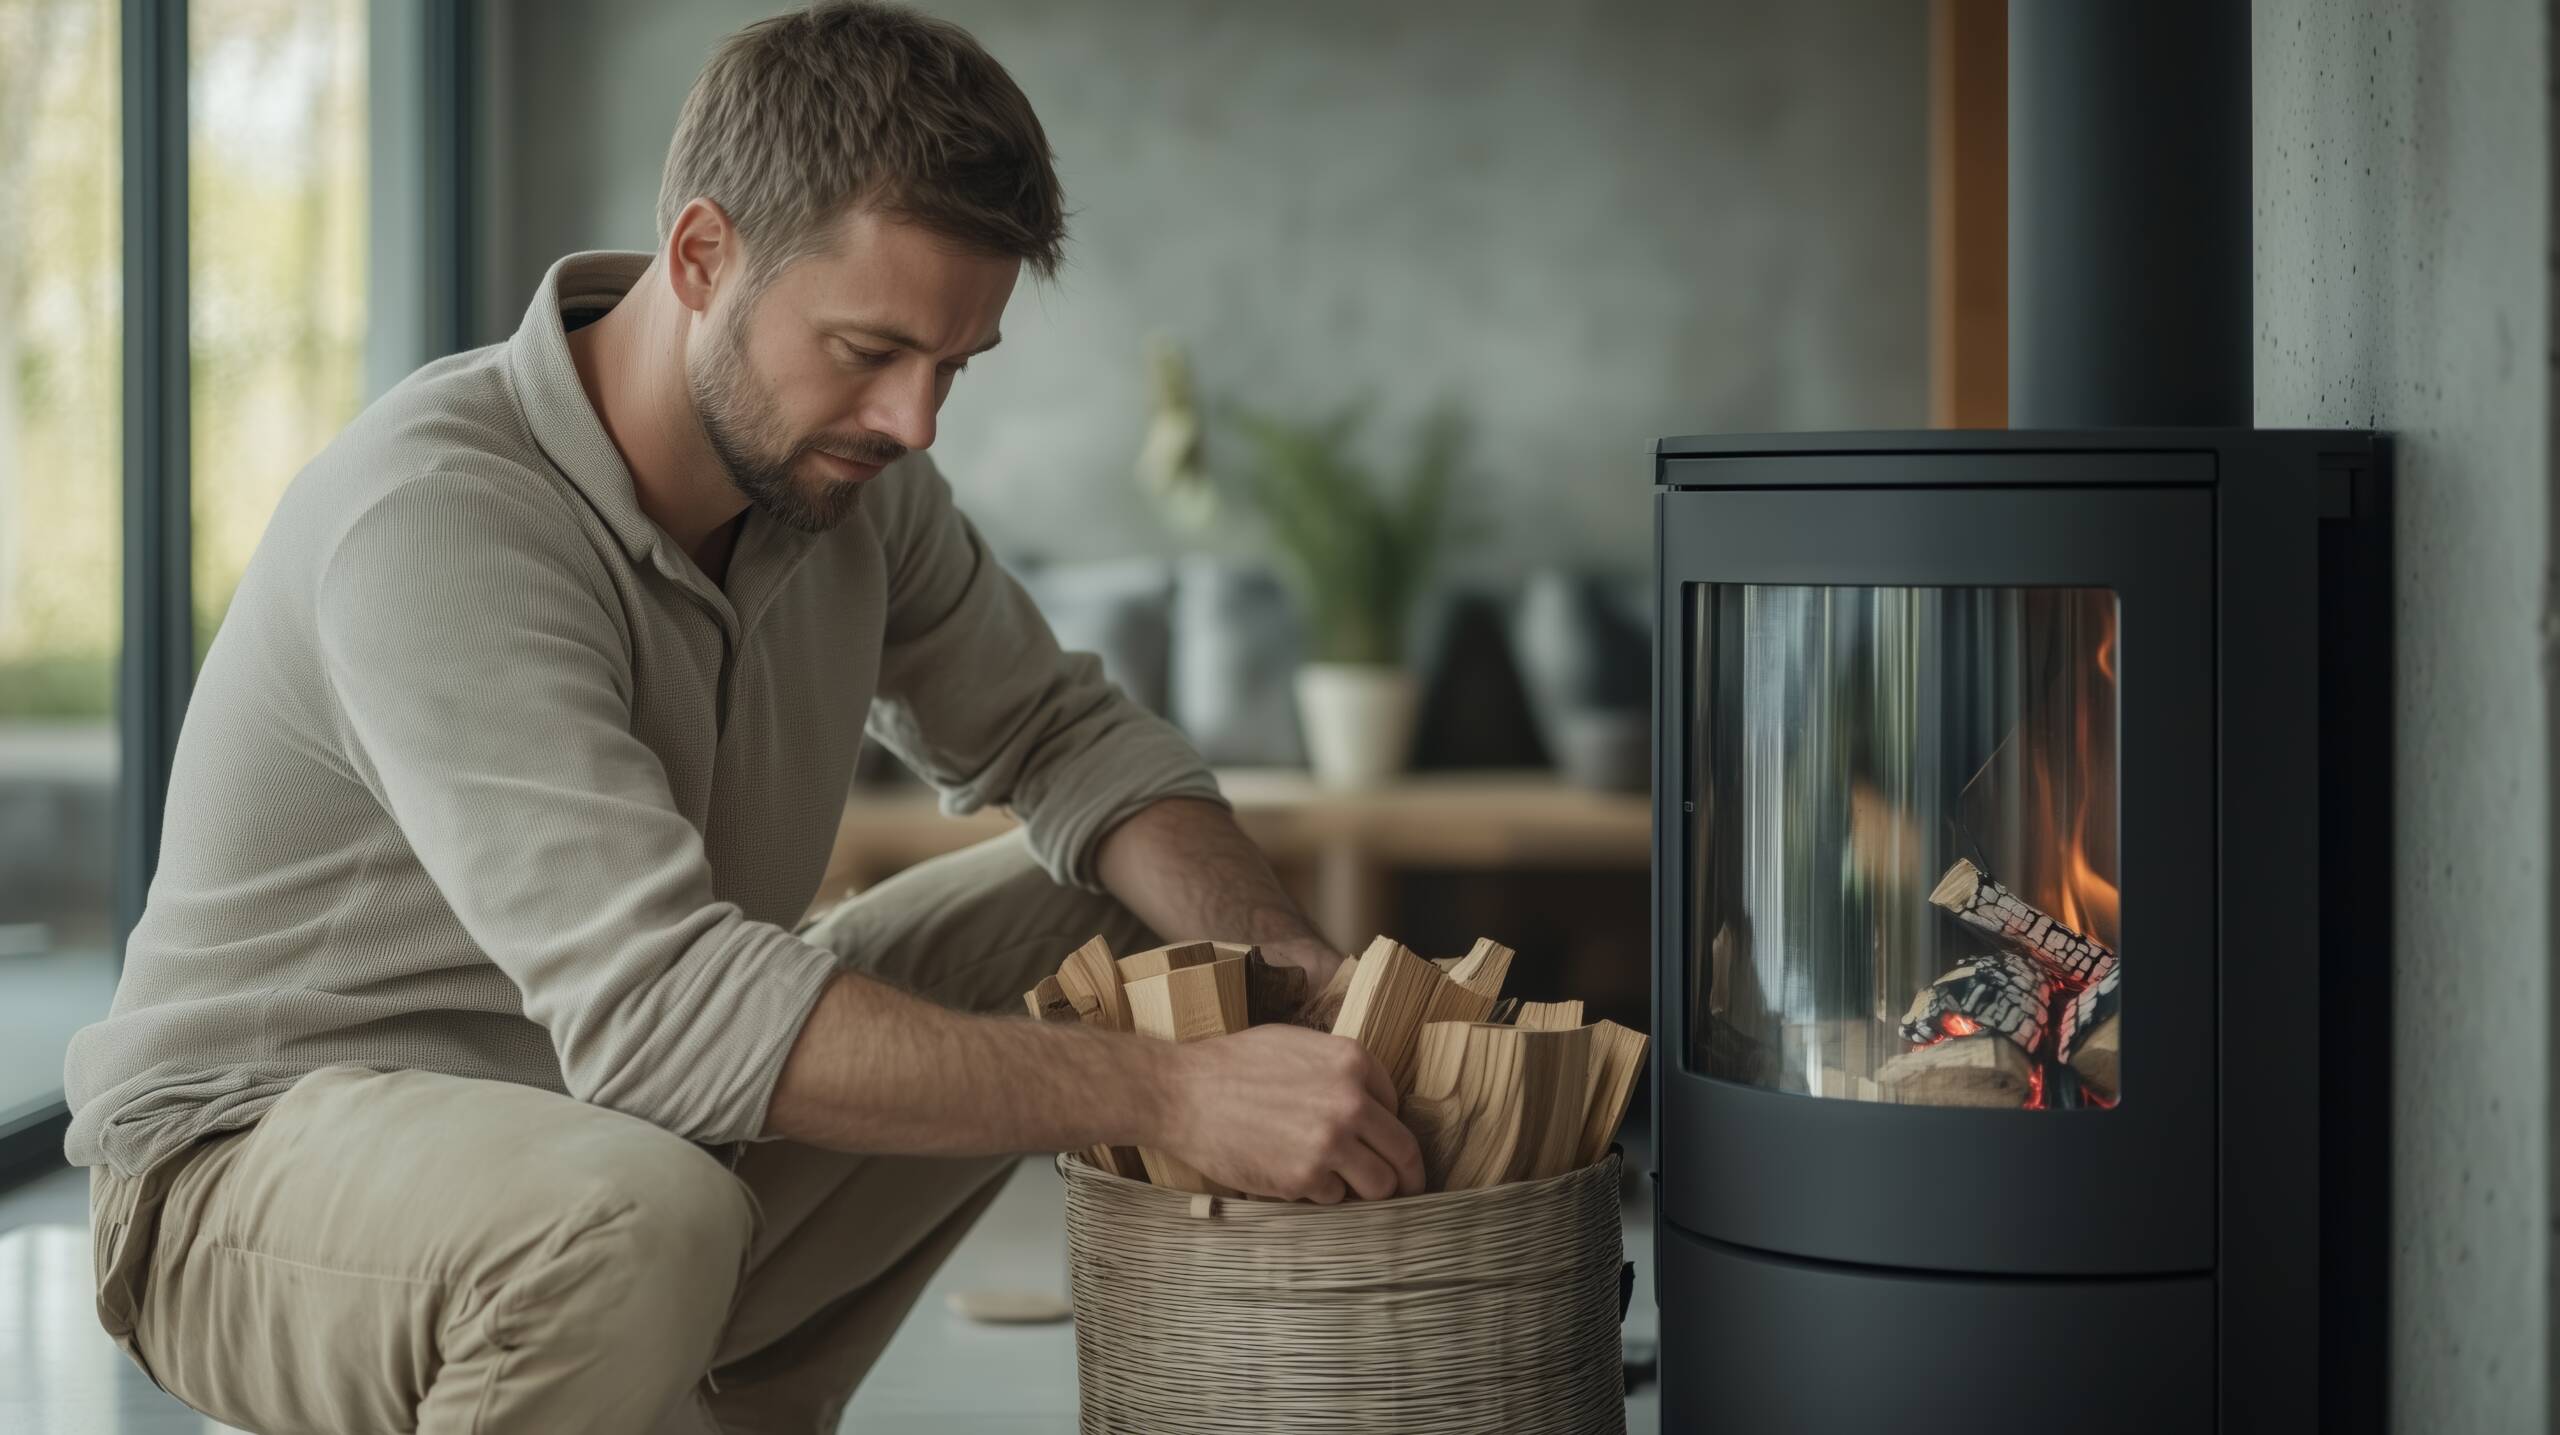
pixel 155 663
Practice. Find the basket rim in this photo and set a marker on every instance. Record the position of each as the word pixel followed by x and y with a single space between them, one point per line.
pixel 1072 1166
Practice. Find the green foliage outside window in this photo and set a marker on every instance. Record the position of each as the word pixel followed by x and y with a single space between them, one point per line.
pixel 276 230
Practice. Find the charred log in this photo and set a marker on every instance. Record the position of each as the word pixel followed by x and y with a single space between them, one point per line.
pixel 1973 897
pixel 2006 994
pixel 1983 1070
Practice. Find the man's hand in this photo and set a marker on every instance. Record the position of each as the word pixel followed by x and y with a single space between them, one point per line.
pixel 1283 1111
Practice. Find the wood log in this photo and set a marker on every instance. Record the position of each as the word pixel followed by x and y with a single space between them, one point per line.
pixel 1616 1064
pixel 1722 953
pixel 2007 994
pixel 1976 899
pixel 2084 1012
pixel 1048 1002
pixel 2097 1060
pixel 1549 1016
pixel 1272 992
pixel 1843 1086
pixel 1090 980
pixel 1982 1070
pixel 1492 1104
pixel 1391 996
pixel 1326 1008
pixel 1156 961
pixel 1188 1004
pixel 1485 967
pixel 1457 1001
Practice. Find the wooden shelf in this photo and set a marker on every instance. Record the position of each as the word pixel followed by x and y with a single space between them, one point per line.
pixel 1346 845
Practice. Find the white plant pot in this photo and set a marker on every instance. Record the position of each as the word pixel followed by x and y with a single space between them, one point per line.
pixel 1358 721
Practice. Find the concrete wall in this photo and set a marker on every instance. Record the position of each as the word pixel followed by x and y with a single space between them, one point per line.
pixel 1594 222
pixel 2403 155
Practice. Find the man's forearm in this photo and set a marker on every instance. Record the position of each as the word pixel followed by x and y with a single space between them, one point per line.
pixel 877 1069
pixel 1187 870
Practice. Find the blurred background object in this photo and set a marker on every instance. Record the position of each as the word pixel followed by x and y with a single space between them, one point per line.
pixel 1169 462
pixel 1359 553
pixel 1586 651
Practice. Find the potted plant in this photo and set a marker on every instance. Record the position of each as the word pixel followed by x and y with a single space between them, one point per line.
pixel 1358 554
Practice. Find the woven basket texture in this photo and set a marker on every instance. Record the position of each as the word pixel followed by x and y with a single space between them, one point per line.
pixel 1466 1312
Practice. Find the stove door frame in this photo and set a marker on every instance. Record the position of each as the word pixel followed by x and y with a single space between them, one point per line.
pixel 1918 1187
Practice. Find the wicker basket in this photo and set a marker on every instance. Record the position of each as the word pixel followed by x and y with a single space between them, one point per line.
pixel 1463 1312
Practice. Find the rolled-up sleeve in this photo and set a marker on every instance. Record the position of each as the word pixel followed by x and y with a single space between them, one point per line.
pixel 975 694
pixel 485 692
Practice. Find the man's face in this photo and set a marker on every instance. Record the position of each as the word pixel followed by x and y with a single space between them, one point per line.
pixel 807 389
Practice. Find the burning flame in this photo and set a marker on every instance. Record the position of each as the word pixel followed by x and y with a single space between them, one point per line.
pixel 2090 903
pixel 2087 902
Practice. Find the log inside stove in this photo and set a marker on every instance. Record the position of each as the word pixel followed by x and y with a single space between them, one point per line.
pixel 2037 1024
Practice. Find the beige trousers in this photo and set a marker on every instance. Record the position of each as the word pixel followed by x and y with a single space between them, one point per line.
pixel 405 1250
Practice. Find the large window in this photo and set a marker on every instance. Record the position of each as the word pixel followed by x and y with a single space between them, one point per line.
pixel 277 128
pixel 276 253
pixel 61 530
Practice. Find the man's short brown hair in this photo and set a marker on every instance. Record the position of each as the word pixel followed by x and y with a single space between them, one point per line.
pixel 798 119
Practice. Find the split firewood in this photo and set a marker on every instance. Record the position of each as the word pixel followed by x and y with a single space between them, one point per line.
pixel 1391 996
pixel 1048 1002
pixel 1272 992
pixel 1457 1001
pixel 1721 955
pixel 1982 1070
pixel 1156 961
pixel 1326 1008
pixel 1843 1086
pixel 2098 1056
pixel 1483 968
pixel 2007 994
pixel 2085 1011
pixel 1188 1004
pixel 1090 981
pixel 1549 1016
pixel 1492 1104
pixel 1616 1063
pixel 1976 899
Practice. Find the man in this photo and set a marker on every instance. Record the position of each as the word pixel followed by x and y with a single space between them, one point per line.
pixel 468 1072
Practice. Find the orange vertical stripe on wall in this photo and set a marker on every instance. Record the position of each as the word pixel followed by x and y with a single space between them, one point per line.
pixel 1969 213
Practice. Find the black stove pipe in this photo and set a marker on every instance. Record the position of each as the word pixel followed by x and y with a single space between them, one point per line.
pixel 2129 225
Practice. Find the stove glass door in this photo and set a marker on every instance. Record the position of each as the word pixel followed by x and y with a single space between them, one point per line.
pixel 1906 838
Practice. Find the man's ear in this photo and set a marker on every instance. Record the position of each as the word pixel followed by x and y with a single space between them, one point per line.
pixel 702 250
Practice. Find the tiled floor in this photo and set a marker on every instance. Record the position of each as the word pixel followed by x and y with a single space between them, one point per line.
pixel 942 1375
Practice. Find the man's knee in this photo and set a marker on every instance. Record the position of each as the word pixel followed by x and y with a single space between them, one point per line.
pixel 645 1262
pixel 688 1218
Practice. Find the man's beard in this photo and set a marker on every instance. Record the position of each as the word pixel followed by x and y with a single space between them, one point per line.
pixel 745 431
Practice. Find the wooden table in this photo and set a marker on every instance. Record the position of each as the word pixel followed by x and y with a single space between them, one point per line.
pixel 1344 847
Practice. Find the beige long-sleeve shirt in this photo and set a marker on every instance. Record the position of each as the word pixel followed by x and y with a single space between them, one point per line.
pixel 484 776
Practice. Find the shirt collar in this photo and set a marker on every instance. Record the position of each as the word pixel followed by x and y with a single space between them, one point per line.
pixel 555 404
pixel 565 426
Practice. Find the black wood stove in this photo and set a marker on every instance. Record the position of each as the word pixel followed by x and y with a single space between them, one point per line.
pixel 2021 845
